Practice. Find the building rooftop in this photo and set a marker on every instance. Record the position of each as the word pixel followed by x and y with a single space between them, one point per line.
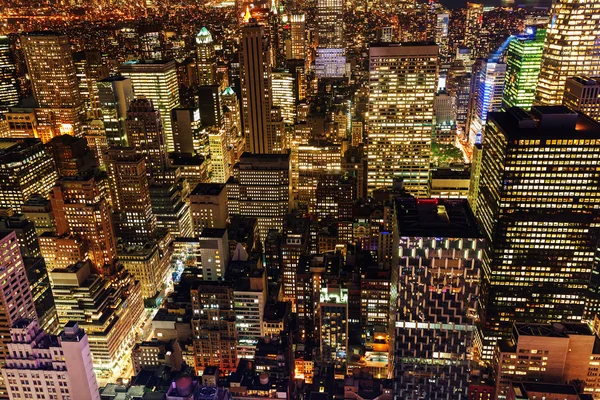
pixel 208 189
pixel 545 122
pixel 435 218
pixel 556 330
pixel 521 389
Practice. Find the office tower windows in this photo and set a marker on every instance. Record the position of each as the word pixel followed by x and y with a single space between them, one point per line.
pixel 260 188
pixel 80 207
pixel 402 84
pixel 523 60
pixel 438 245
pixel 146 135
pixel 583 94
pixel 536 206
pixel 20 179
pixel 284 94
pixel 486 96
pixel 90 69
pixel 157 81
pixel 8 81
pixel 219 156
pixel 54 81
pixel 331 59
pixel 473 23
pixel 571 48
pixel 186 129
pixel 115 94
pixel 298 37
pixel 205 53
pixel 130 193
pixel 65 362
pixel 262 133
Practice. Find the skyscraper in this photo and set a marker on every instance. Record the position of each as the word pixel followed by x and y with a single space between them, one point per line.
pixel 473 23
pixel 331 59
pixel 80 207
pixel 219 156
pixel 536 206
pixel 298 37
pixel 146 135
pixel 54 81
pixel 16 301
pixel 262 135
pixel 20 179
pixel 402 84
pixel 115 94
pixel 284 94
pixel 213 324
pixel 571 48
pixel 64 361
pixel 157 81
pixel 90 69
pixel 333 326
pixel 260 188
pixel 438 245
pixel 8 81
pixel 486 96
pixel 205 58
pixel 583 94
pixel 130 193
pixel 523 59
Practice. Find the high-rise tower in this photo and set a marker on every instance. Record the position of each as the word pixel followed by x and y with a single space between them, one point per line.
pixel 331 59
pixel 523 59
pixel 263 134
pixel 54 81
pixel 157 81
pixel 8 82
pixel 572 48
pixel 402 84
pixel 205 53
pixel 536 206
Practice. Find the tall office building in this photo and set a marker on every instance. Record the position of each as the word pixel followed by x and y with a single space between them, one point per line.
pixel 260 130
pixel 109 310
pixel 249 299
pixel 315 160
pixel 260 188
pixel 16 301
pixel 208 207
pixel 115 94
pixel 298 37
pixel 72 156
pixel 186 130
pixel 54 81
pixel 157 81
pixel 331 59
pixel 571 48
pixel 473 23
pixel 219 156
pixel 213 326
pixel 80 207
pixel 146 135
pixel 20 179
pixel 438 245
pixel 209 105
pixel 486 96
pixel 523 59
pixel 284 94
pixel 295 243
pixel 402 84
pixel 333 327
pixel 536 206
pixel 52 363
pixel 583 94
pixel 90 68
pixel 205 58
pixel 9 96
pixel 130 193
